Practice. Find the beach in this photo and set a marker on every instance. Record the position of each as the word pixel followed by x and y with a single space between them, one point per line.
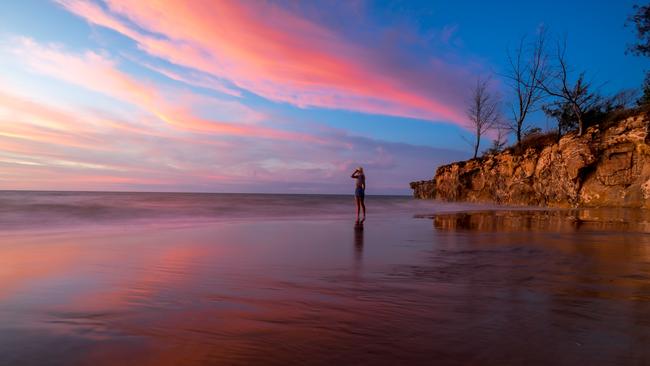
pixel 166 279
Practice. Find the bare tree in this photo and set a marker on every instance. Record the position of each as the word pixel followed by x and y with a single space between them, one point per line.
pixel 483 111
pixel 576 96
pixel 625 98
pixel 528 67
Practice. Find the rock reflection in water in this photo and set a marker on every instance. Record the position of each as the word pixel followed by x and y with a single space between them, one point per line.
pixel 541 220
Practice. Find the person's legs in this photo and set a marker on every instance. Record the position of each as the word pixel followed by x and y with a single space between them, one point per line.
pixel 363 206
pixel 357 201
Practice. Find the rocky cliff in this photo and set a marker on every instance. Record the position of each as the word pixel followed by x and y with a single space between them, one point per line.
pixel 605 167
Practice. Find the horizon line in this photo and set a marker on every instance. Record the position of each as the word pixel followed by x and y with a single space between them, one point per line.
pixel 188 192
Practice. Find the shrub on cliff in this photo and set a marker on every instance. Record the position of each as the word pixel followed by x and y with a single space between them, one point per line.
pixel 536 140
pixel 644 100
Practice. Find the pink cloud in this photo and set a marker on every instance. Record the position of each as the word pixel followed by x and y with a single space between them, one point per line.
pixel 91 150
pixel 169 146
pixel 99 73
pixel 46 147
pixel 281 56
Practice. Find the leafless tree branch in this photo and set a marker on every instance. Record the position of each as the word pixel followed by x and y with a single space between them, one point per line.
pixel 577 95
pixel 528 67
pixel 483 111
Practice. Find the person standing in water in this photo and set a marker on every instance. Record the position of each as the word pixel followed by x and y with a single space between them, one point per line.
pixel 360 191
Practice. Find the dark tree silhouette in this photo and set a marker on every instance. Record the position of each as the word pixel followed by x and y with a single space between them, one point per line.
pixel 644 100
pixel 641 20
pixel 483 111
pixel 598 112
pixel 563 114
pixel 528 67
pixel 576 96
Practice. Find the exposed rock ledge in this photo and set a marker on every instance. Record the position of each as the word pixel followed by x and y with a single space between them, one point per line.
pixel 601 168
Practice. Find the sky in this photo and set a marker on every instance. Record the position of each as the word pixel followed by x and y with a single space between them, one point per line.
pixel 267 96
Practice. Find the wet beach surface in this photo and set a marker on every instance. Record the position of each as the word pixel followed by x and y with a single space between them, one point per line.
pixel 418 283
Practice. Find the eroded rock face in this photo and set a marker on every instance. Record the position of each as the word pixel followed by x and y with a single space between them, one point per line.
pixel 600 168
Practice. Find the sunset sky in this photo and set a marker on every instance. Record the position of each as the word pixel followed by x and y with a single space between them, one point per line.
pixel 266 96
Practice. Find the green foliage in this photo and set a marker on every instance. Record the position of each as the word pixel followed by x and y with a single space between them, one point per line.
pixel 562 112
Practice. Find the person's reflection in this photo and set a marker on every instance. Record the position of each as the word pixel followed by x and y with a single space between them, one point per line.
pixel 358 240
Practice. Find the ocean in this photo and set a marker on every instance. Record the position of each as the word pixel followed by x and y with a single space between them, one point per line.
pixel 101 278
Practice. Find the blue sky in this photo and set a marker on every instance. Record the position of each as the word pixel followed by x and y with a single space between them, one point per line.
pixel 274 96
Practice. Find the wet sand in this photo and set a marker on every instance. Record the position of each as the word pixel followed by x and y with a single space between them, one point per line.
pixel 495 287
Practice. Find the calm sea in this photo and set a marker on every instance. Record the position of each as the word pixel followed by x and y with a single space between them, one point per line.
pixel 38 210
pixel 91 278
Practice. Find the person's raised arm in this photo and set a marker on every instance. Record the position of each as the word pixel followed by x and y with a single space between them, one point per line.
pixel 355 174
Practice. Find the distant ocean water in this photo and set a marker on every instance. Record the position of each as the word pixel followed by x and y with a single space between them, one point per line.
pixel 43 209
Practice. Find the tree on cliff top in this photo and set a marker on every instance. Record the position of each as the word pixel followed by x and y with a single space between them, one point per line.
pixel 577 96
pixel 483 111
pixel 641 21
pixel 602 110
pixel 528 67
pixel 563 114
